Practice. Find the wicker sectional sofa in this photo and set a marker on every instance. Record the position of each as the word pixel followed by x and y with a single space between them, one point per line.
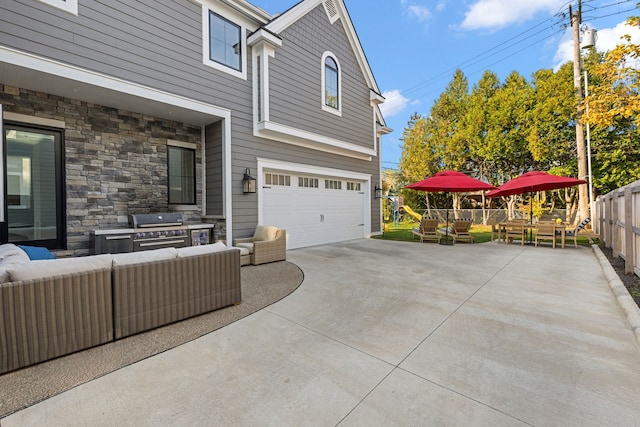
pixel 108 297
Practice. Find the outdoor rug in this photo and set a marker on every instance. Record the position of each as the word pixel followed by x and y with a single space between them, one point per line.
pixel 262 285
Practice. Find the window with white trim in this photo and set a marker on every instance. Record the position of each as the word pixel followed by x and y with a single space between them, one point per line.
pixel 70 6
pixel 277 179
pixel 224 39
pixel 332 184
pixel 181 173
pixel 307 182
pixel 353 186
pixel 225 45
pixel 331 84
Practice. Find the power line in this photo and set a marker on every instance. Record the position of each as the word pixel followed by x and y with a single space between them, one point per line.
pixel 511 43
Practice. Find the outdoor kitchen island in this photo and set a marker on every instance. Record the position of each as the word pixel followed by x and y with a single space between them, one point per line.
pixel 150 231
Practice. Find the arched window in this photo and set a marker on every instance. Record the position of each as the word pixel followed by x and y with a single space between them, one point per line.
pixel 331 84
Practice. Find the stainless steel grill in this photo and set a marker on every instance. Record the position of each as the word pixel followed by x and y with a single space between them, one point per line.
pixel 149 231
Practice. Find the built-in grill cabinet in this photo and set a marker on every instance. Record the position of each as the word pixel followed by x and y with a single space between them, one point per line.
pixel 150 231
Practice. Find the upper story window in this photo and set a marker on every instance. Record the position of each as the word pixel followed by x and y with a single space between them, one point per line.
pixel 224 42
pixel 331 84
pixel 181 171
pixel 70 6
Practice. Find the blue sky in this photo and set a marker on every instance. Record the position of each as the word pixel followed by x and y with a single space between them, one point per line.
pixel 414 46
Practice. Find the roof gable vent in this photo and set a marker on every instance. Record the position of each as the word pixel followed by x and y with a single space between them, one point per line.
pixel 332 10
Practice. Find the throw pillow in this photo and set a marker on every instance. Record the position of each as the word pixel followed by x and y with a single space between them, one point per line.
pixel 9 249
pixel 36 252
pixel 264 233
pixel 10 262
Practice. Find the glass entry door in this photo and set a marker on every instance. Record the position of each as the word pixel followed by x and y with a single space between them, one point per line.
pixel 34 193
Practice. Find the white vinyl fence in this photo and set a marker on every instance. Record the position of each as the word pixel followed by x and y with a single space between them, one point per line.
pixel 617 220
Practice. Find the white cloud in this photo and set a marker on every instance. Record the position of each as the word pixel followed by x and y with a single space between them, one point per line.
pixel 394 103
pixel 420 12
pixel 495 14
pixel 607 39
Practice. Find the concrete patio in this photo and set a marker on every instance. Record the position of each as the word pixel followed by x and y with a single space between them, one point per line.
pixel 393 333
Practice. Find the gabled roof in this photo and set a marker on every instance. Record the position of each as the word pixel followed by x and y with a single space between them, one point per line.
pixel 337 10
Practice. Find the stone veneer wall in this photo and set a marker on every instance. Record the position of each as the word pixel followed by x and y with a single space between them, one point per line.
pixel 115 161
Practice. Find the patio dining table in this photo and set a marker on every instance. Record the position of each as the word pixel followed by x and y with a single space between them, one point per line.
pixel 558 229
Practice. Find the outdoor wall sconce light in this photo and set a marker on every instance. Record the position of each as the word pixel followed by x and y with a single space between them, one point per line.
pixel 248 182
pixel 377 192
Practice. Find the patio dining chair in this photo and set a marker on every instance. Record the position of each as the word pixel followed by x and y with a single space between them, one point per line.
pixel 428 230
pixel 514 230
pixel 545 230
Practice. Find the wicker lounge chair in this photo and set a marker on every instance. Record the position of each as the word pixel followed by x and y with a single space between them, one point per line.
pixel 268 244
pixel 428 230
pixel 460 231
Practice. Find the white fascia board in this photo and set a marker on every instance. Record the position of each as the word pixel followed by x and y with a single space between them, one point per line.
pixel 301 138
pixel 294 14
pixel 256 14
pixel 266 36
pixel 50 66
pixel 383 130
pixel 375 97
pixel 356 46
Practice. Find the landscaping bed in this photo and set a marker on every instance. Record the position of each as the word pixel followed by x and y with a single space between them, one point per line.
pixel 630 281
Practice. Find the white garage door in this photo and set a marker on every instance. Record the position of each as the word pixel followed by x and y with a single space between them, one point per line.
pixel 313 209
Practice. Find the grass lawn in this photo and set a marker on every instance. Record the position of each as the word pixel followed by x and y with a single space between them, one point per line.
pixel 481 233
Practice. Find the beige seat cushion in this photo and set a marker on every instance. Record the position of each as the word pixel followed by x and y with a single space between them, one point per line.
pixel 55 267
pixel 145 256
pixel 201 249
pixel 264 232
pixel 246 246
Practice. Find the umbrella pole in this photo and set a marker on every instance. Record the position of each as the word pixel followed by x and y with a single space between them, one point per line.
pixel 531 217
pixel 446 231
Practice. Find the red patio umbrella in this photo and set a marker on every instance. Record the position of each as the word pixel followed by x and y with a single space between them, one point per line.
pixel 451 182
pixel 533 181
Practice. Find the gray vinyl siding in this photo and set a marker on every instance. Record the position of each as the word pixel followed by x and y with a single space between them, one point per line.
pixel 295 82
pixel 158 44
pixel 214 152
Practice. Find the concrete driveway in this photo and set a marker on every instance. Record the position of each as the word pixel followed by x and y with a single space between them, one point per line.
pixel 393 333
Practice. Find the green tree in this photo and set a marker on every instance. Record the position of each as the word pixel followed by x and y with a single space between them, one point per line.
pixel 474 124
pixel 551 137
pixel 617 96
pixel 418 159
pixel 613 111
pixel 507 128
pixel 444 124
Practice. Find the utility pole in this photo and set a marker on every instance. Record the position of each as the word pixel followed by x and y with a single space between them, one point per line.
pixel 583 197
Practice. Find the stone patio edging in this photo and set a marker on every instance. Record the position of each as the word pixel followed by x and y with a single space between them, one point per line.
pixel 628 305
